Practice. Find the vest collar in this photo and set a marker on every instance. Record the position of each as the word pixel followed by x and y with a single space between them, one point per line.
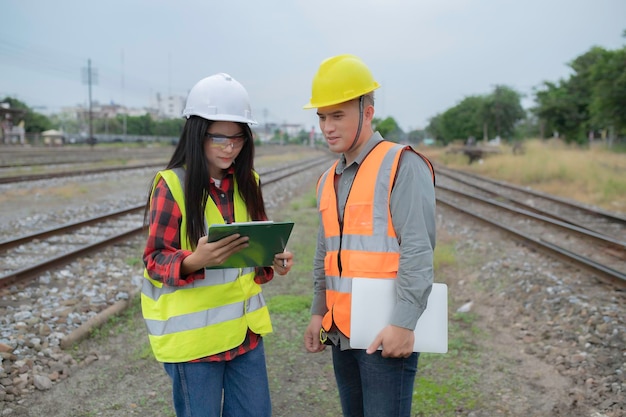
pixel 369 145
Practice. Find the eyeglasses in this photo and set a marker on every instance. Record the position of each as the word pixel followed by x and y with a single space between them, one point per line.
pixel 236 142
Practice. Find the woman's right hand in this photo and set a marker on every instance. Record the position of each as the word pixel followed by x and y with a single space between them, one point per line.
pixel 209 254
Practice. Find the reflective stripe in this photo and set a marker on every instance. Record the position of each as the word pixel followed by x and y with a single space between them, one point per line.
pixel 322 180
pixel 375 243
pixel 333 243
pixel 211 277
pixel 204 318
pixel 254 303
pixel 180 173
pixel 339 284
pixel 382 193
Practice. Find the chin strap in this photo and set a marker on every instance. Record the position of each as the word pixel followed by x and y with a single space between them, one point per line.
pixel 358 132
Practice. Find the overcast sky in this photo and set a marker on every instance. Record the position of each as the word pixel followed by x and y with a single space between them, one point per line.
pixel 427 54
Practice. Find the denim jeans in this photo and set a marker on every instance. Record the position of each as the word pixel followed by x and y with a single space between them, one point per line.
pixel 373 386
pixel 234 388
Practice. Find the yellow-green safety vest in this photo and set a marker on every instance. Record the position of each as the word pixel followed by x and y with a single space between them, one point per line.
pixel 210 315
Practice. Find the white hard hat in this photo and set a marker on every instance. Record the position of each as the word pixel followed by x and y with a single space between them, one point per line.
pixel 221 98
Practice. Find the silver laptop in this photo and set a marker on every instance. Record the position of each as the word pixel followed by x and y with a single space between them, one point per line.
pixel 373 301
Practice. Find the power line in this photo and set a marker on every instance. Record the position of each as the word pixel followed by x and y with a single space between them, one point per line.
pixel 63 65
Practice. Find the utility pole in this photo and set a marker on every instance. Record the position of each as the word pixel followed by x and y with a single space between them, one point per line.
pixel 90 76
pixel 91 138
pixel 123 97
pixel 312 137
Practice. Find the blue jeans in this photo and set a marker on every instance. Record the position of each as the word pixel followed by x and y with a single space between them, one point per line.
pixel 373 386
pixel 234 388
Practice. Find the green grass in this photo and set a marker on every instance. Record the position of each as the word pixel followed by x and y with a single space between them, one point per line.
pixel 123 322
pixel 289 304
pixel 589 175
pixel 447 383
pixel 134 260
pixel 445 254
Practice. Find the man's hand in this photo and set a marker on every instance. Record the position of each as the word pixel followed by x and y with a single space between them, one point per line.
pixel 282 262
pixel 397 342
pixel 312 341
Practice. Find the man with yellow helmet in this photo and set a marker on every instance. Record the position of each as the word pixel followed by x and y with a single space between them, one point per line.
pixel 377 220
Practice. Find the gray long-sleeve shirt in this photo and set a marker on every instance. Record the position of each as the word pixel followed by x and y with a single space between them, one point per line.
pixel 412 207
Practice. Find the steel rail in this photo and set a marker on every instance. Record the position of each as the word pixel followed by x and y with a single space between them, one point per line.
pixel 34 270
pixel 600 237
pixel 35 177
pixel 9 243
pixel 80 172
pixel 614 217
pixel 604 273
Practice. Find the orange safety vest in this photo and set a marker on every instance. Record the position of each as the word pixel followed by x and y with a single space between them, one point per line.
pixel 366 245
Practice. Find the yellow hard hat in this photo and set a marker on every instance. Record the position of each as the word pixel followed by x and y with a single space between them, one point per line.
pixel 339 79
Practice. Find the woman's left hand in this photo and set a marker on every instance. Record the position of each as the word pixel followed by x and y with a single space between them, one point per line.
pixel 283 262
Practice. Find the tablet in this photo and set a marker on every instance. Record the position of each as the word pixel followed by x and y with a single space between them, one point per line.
pixel 267 238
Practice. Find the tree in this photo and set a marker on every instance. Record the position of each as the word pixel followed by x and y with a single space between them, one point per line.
pixel 108 125
pixel 502 110
pixel 416 136
pixel 565 107
pixel 528 127
pixel 463 120
pixel 608 99
pixel 435 128
pixel 36 123
pixel 389 129
pixel 169 127
pixel 66 122
pixel 140 125
pixel 33 122
pixel 302 138
pixel 477 115
pixel 556 109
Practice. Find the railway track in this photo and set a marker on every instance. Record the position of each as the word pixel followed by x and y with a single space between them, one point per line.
pixel 43 317
pixel 578 234
pixel 570 231
pixel 75 172
pixel 12 159
pixel 17 165
pixel 58 246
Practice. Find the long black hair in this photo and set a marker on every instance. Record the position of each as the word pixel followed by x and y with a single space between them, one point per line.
pixel 189 153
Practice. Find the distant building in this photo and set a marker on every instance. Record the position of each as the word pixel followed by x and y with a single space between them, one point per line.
pixel 10 132
pixel 168 107
pixel 267 131
pixel 101 111
pixel 292 129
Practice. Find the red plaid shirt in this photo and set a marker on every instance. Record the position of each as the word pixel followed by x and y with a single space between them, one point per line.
pixel 163 255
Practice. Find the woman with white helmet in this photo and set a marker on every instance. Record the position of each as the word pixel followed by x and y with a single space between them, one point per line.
pixel 206 324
